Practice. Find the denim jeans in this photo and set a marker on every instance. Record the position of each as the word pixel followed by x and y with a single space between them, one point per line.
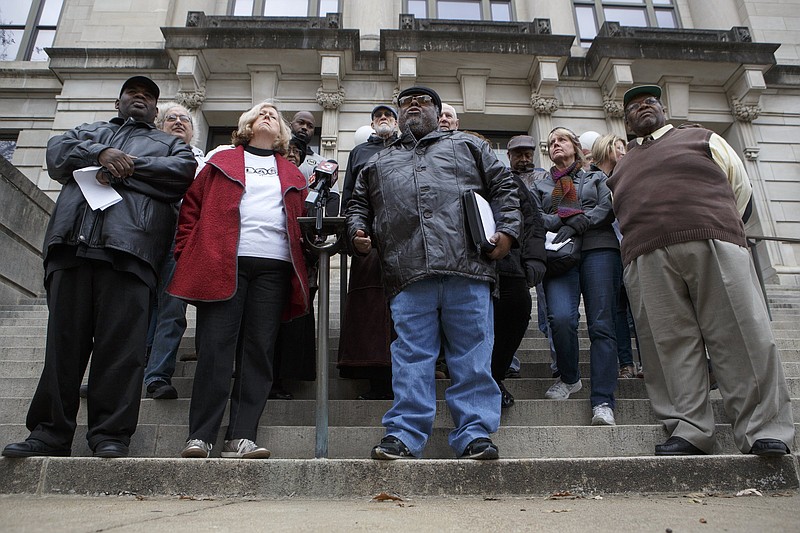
pixel 456 313
pixel 168 324
pixel 598 279
pixel 624 350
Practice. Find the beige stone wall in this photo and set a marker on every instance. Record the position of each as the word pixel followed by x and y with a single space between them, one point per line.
pixel 774 21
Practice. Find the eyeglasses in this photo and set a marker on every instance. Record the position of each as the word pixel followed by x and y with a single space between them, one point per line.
pixel 186 119
pixel 381 114
pixel 651 101
pixel 422 99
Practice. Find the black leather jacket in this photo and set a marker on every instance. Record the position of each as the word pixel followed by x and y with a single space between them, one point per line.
pixel 408 199
pixel 143 223
pixel 519 262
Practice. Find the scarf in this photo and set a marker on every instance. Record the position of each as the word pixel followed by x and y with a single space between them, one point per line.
pixel 565 197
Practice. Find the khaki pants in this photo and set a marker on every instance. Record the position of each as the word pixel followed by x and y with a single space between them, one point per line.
pixel 702 296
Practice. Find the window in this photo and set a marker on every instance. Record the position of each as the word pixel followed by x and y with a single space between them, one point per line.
pixel 591 14
pixel 284 8
pixel 27 27
pixel 495 10
pixel 8 143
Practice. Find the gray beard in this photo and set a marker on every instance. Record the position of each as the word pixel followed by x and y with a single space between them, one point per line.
pixel 421 125
pixel 384 131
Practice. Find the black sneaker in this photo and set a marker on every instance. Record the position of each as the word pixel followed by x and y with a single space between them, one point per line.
pixel 390 448
pixel 481 448
pixel 161 390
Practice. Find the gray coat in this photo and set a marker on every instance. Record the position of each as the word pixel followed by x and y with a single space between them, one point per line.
pixel 595 199
pixel 408 198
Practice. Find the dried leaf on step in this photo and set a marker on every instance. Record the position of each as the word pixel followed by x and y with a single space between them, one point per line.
pixel 749 492
pixel 386 497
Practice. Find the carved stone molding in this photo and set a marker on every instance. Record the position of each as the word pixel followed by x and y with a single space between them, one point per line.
pixel 328 143
pixel 330 99
pixel 544 105
pixel 543 148
pixel 612 107
pixel 745 112
pixel 191 100
pixel 751 154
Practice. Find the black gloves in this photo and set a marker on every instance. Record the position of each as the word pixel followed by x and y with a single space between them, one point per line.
pixel 534 271
pixel 579 222
pixel 564 234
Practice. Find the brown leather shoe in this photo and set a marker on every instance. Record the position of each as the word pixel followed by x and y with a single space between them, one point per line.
pixel 627 372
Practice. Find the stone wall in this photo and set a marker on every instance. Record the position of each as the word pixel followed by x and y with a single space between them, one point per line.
pixel 24 213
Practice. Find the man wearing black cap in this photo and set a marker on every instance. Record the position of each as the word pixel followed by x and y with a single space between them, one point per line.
pixel 101 273
pixel 407 202
pixel 364 352
pixel 680 195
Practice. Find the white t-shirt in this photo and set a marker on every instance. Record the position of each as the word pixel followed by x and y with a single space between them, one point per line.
pixel 261 212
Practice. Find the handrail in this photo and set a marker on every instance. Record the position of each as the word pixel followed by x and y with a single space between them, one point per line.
pixel 752 242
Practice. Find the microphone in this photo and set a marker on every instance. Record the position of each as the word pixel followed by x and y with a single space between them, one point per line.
pixel 322 179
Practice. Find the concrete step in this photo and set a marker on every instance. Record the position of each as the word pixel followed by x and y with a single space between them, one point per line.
pixel 343 413
pixel 355 442
pixel 363 479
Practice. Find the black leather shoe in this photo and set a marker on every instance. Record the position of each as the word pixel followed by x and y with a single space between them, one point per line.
pixel 506 398
pixel 34 448
pixel 769 448
pixel 678 446
pixel 111 449
pixel 161 390
pixel 280 394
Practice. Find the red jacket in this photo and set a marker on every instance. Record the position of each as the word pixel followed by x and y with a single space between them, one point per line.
pixel 209 227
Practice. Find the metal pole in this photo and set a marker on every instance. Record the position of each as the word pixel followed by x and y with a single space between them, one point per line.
pixel 321 448
pixel 757 266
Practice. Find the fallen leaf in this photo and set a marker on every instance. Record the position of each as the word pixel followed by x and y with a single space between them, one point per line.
pixel 598 497
pixel 386 497
pixel 749 492
pixel 703 521
pixel 557 510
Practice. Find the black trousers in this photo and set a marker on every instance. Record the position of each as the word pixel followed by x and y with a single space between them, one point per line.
pixel 512 313
pixel 95 310
pixel 255 308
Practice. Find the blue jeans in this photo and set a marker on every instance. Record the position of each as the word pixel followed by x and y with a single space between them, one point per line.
pixel 455 313
pixel 598 279
pixel 168 324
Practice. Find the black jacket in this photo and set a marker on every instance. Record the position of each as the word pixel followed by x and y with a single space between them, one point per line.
pixel 408 199
pixel 357 159
pixel 143 223
pixel 519 262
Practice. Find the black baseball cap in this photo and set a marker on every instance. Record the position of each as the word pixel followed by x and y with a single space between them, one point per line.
pixel 143 81
pixel 655 90
pixel 384 106
pixel 422 90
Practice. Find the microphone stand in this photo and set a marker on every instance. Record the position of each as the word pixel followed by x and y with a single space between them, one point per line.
pixel 316 229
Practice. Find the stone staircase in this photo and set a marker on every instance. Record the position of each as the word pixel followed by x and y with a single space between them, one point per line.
pixel 545 445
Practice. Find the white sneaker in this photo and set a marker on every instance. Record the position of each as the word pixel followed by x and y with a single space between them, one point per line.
pixel 196 448
pixel 603 415
pixel 243 449
pixel 561 391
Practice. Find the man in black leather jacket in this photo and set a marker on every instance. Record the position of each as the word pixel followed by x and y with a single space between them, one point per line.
pixel 408 203
pixel 100 273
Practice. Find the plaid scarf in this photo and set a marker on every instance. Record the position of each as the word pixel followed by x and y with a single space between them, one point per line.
pixel 565 198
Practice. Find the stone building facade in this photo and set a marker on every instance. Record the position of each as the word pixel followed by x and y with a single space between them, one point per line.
pixel 507 66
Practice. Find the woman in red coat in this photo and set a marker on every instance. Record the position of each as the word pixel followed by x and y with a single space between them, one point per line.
pixel 240 262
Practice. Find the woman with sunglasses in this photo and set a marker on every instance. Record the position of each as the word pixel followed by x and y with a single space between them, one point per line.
pixel 578 203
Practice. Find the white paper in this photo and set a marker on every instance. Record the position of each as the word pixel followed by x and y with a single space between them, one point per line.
pixel 548 243
pixel 98 196
pixel 487 216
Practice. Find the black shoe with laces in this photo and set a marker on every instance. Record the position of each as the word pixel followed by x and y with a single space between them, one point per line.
pixel 506 398
pixel 390 448
pixel 481 448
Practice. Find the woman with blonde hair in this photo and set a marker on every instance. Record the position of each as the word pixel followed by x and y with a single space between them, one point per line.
pixel 607 151
pixel 240 262
pixel 575 203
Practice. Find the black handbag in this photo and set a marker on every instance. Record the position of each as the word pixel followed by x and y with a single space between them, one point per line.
pixel 566 257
